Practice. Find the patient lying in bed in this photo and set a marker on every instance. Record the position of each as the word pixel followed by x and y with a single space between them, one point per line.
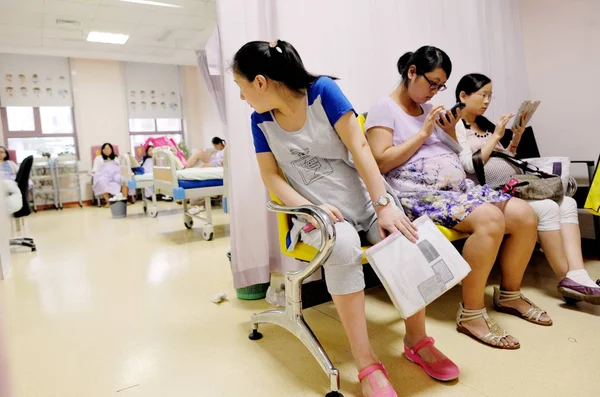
pixel 205 159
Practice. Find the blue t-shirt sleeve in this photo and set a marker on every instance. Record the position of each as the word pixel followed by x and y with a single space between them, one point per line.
pixel 260 141
pixel 333 99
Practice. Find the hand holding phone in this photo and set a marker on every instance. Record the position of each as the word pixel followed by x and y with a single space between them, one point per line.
pixel 444 118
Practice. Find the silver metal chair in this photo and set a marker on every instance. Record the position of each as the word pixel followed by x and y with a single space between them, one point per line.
pixel 291 317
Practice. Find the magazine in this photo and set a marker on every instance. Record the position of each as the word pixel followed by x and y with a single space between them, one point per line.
pixel 526 111
pixel 415 274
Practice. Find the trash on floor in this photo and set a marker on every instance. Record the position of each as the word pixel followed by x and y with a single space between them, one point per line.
pixel 220 297
pixel 276 296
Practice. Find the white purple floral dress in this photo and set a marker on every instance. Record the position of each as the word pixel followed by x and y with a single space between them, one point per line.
pixel 432 182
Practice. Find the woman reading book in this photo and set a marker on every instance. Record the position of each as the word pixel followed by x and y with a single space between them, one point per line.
pixel 558 225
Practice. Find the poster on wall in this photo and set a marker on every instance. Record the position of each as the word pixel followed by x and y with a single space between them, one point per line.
pixel 153 91
pixel 30 80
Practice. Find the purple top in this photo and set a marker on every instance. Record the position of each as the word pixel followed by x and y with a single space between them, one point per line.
pixel 217 158
pixel 387 113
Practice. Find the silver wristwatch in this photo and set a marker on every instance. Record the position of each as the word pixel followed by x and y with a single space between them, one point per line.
pixel 383 200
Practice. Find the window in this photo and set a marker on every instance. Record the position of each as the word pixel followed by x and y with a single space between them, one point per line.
pixel 142 129
pixel 38 130
pixel 20 119
pixel 142 125
pixel 168 125
pixel 57 120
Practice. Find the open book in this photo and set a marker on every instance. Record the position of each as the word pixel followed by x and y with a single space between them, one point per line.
pixel 414 275
pixel 526 111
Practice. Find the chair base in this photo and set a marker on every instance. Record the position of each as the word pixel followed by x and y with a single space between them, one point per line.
pixel 23 242
pixel 296 324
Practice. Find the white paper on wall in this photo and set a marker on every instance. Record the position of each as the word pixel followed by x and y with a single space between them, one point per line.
pixel 153 91
pixel 32 80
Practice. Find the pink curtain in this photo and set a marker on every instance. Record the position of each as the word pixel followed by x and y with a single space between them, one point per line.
pixel 254 242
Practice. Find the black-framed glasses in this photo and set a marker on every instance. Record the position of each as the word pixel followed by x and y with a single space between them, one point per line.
pixel 435 86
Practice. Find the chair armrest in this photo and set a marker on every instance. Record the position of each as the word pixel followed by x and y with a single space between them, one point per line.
pixel 590 167
pixel 588 162
pixel 325 227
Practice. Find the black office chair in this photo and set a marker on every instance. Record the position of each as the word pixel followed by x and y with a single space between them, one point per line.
pixel 22 181
pixel 528 147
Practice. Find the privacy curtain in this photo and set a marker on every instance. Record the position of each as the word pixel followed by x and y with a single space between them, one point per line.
pixel 359 42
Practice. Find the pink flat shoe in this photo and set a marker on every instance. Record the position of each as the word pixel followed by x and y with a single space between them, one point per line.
pixel 387 391
pixel 443 369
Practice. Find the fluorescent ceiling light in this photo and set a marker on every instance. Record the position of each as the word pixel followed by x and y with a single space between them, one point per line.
pixel 108 38
pixel 152 3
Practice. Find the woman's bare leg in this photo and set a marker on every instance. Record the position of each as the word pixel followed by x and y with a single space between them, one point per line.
pixel 351 309
pixel 554 248
pixel 521 230
pixel 486 226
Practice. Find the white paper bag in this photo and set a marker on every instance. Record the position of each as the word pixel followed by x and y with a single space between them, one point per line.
pixel 415 275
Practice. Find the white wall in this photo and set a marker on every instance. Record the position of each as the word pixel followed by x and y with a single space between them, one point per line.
pixel 202 121
pixel 563 60
pixel 100 108
pixel 211 121
pixel 361 44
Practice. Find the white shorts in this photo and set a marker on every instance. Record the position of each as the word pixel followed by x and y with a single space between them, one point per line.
pixel 551 214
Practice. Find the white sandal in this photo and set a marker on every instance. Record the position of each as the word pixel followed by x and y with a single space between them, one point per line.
pixel 492 338
pixel 533 315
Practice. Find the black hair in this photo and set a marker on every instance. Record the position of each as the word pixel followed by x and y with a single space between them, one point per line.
pixel 112 154
pixel 426 59
pixel 278 61
pixel 470 84
pixel 7 158
pixel 218 141
pixel 146 156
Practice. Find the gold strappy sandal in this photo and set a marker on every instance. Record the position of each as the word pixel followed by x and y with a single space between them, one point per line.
pixel 533 315
pixel 495 335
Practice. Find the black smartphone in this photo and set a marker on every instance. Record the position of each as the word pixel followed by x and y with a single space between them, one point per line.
pixel 459 105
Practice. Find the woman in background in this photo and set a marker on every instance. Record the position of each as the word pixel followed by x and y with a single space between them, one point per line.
pixel 208 159
pixel 106 173
pixel 558 223
pixel 8 168
pixel 147 162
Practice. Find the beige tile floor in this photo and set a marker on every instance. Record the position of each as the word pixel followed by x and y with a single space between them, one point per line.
pixel 122 308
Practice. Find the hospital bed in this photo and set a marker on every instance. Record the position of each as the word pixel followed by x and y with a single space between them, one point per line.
pixel 189 183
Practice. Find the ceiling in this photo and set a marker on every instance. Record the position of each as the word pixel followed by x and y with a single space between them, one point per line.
pixel 157 34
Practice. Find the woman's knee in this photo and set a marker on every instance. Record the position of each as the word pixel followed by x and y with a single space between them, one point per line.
pixel 347 248
pixel 547 213
pixel 343 269
pixel 518 214
pixel 568 211
pixel 488 219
